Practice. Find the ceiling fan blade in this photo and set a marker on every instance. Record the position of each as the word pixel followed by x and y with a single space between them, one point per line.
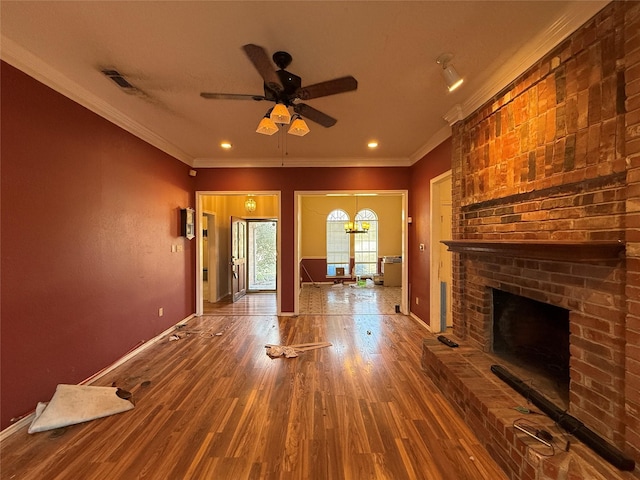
pixel 231 96
pixel 261 61
pixel 330 87
pixel 314 115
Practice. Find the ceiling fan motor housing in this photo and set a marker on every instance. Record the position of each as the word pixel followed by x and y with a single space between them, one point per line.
pixel 290 83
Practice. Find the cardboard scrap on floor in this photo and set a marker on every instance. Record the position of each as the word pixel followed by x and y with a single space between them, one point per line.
pixel 292 351
pixel 73 404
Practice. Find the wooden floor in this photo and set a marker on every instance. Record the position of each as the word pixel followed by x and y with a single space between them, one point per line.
pixel 214 406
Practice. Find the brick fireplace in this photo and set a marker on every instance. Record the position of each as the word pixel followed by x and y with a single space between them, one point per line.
pixel 546 187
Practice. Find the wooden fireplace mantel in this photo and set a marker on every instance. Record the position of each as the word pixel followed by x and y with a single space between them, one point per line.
pixel 557 250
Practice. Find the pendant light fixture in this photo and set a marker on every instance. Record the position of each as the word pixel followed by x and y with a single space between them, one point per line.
pixel 250 204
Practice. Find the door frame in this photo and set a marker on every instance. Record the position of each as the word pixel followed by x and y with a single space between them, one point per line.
pixel 434 251
pixel 199 243
pixel 212 254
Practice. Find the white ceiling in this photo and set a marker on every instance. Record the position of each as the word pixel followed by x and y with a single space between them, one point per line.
pixel 172 51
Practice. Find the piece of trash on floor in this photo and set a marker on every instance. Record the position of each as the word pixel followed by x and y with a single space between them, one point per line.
pixel 278 350
pixel 73 404
pixel 219 334
pixel 368 332
pixel 292 351
pixel 174 337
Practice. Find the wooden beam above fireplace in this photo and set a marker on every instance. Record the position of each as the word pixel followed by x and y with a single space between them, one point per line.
pixel 553 250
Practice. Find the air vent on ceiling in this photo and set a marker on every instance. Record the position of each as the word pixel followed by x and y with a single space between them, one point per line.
pixel 117 78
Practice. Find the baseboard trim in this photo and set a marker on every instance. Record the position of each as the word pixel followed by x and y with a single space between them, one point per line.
pixel 420 322
pixel 28 418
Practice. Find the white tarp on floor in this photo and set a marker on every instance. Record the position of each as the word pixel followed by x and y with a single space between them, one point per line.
pixel 73 404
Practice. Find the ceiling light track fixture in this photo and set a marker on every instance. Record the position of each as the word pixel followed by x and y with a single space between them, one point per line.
pixel 451 76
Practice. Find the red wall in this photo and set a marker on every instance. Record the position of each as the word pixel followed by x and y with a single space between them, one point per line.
pixel 287 181
pixel 89 214
pixel 435 163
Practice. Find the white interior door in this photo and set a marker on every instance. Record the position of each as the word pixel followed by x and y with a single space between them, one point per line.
pixel 441 264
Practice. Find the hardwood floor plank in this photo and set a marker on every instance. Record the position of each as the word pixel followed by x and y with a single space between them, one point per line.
pixel 216 406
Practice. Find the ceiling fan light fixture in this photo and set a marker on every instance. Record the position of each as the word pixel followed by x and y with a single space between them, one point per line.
pixel 267 126
pixel 280 114
pixel 298 127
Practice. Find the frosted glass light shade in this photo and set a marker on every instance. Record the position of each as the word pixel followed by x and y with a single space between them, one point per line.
pixel 267 126
pixel 280 114
pixel 298 127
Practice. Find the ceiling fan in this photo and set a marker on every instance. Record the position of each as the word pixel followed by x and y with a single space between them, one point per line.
pixel 286 88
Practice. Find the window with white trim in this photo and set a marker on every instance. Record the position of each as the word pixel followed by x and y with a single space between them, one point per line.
pixel 337 243
pixel 366 244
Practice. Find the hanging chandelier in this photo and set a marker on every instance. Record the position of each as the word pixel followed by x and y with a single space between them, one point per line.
pixel 356 227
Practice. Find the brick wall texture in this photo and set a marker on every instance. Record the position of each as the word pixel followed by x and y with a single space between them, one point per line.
pixel 553 157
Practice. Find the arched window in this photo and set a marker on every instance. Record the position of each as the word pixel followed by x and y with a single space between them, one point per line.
pixel 366 244
pixel 337 243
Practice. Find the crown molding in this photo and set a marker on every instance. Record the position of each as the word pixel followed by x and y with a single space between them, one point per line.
pixel 435 140
pixel 22 59
pixel 299 162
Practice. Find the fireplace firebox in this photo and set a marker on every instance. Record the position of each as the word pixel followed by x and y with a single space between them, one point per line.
pixel 533 337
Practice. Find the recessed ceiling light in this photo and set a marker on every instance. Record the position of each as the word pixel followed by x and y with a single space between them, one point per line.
pixel 372 144
pixel 226 145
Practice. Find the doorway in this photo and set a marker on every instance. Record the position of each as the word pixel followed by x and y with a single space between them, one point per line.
pixel 441 264
pixel 311 210
pixel 216 239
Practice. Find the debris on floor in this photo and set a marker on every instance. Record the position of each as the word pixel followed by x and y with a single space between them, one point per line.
pixel 278 350
pixel 292 351
pixel 201 333
pixel 73 404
